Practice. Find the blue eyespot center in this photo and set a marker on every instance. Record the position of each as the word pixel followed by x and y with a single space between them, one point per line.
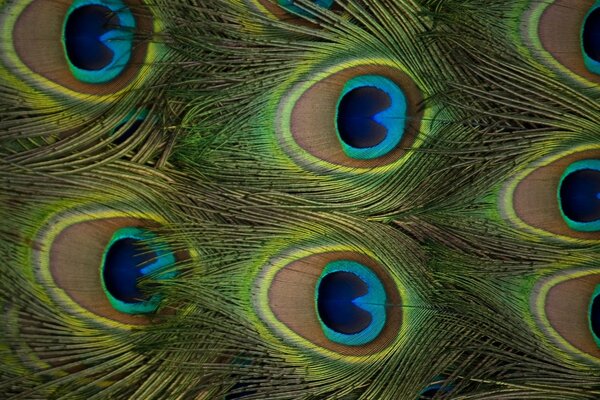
pixel 590 39
pixel 350 302
pixel 122 269
pixel 98 39
pixel 579 195
pixel 356 124
pixel 337 293
pixel 594 315
pixel 127 258
pixel 85 26
pixel 370 116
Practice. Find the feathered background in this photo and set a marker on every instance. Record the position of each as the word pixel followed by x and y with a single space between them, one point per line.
pixel 294 199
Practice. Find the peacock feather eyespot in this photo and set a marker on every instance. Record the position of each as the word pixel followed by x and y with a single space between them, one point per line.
pixel 77 48
pixel 353 306
pixel 291 6
pixel 98 39
pixel 579 195
pixel 91 262
pixel 353 115
pixel 124 262
pixel 351 303
pixel 557 196
pixel 566 308
pixel 590 39
pixel 370 116
pixel 572 50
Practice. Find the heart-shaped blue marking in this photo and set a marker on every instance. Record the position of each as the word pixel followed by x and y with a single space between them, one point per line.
pixel 590 39
pixel 578 198
pixel 98 39
pixel 350 303
pixel 125 261
pixel 370 116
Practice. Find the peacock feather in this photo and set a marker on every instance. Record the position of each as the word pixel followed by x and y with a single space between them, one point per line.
pixel 299 199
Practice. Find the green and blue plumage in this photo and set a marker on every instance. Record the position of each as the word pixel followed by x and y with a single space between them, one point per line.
pixel 347 199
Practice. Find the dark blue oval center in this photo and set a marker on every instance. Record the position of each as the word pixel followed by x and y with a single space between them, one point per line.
pixel 122 269
pixel 590 35
pixel 580 195
pixel 595 316
pixel 355 122
pixel 335 303
pixel 84 29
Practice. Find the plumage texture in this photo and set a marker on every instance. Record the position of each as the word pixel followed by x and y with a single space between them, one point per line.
pixel 252 199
